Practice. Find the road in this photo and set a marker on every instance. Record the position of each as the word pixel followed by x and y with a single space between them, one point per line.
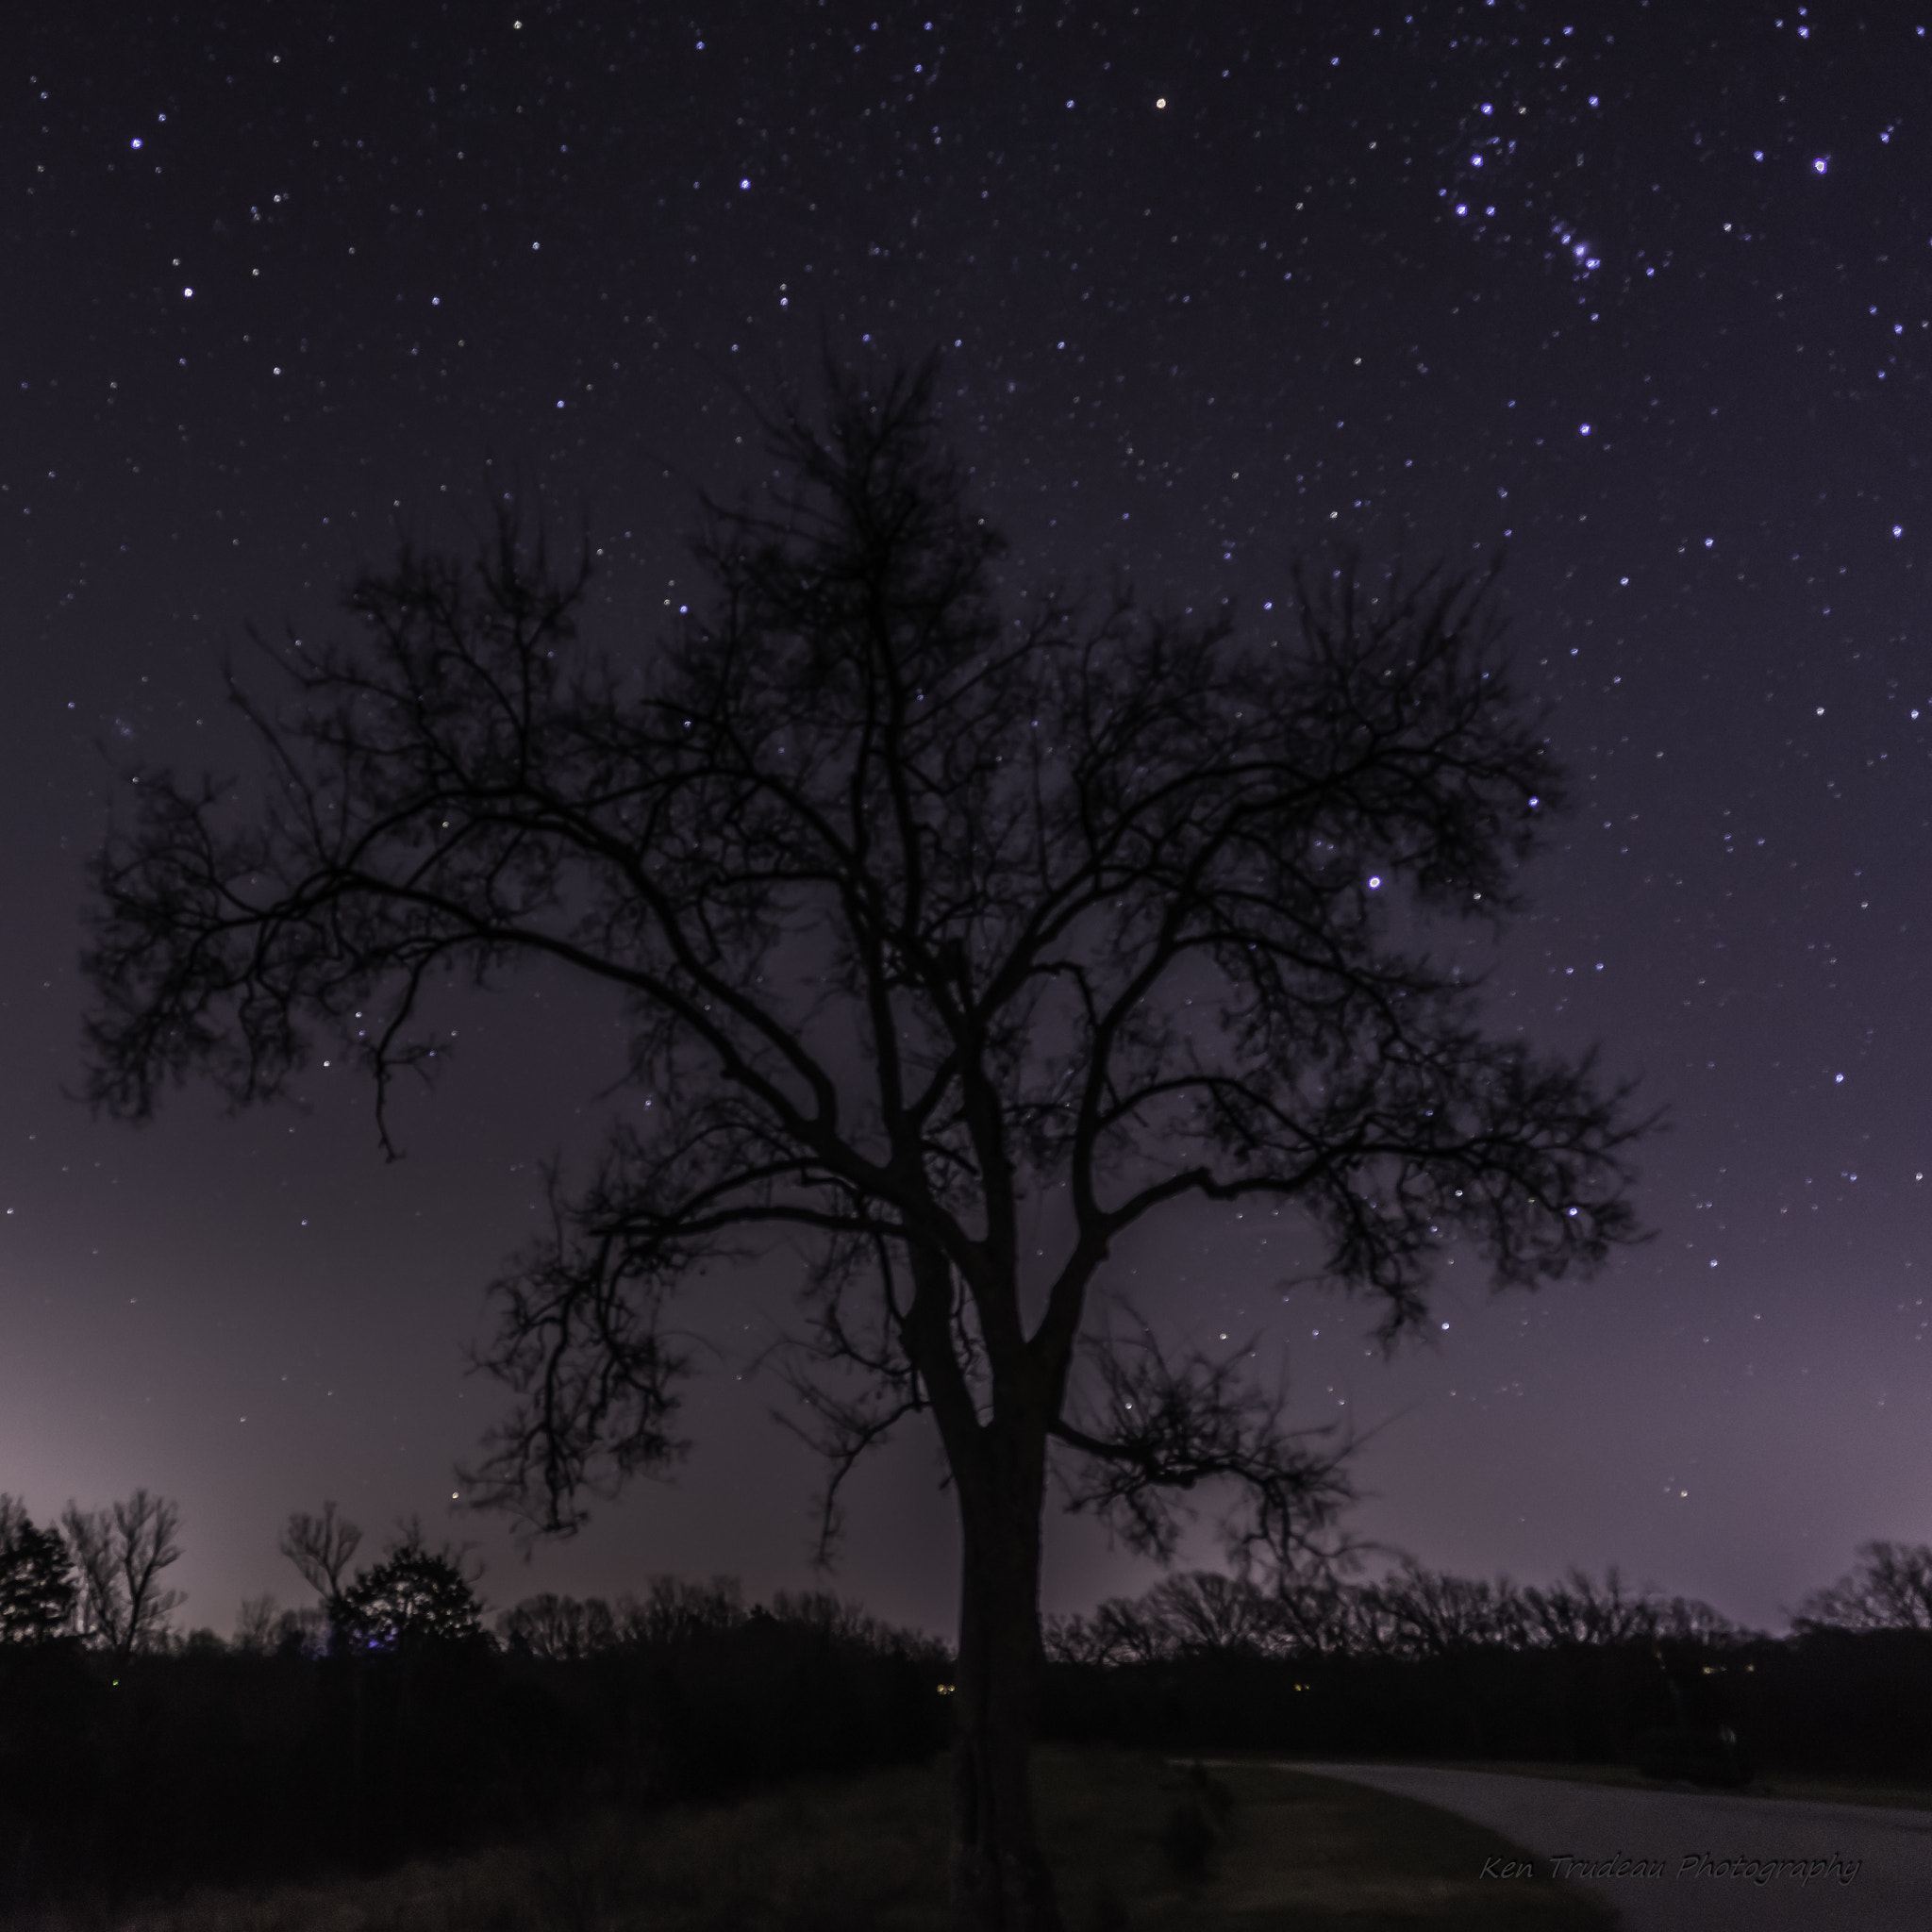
pixel 1696 1861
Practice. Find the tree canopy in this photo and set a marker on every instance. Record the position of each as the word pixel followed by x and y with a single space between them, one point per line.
pixel 119 1554
pixel 930 917
pixel 415 1597
pixel 37 1590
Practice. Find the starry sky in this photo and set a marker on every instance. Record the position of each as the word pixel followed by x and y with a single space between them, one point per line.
pixel 1641 294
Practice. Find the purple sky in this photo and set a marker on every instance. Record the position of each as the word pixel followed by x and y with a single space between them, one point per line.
pixel 1643 293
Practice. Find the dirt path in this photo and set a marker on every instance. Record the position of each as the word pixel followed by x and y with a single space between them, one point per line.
pixel 1696 1861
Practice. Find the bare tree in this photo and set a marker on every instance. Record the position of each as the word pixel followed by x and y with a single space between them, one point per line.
pixel 1889 1590
pixel 1431 1613
pixel 258 1625
pixel 320 1547
pixel 1122 1630
pixel 926 918
pixel 1579 1610
pixel 558 1627
pixel 1317 1614
pixel 119 1554
pixel 1207 1612
pixel 676 1610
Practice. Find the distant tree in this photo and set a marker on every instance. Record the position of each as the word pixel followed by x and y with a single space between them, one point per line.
pixel 1208 1611
pixel 1071 1638
pixel 259 1626
pixel 1891 1588
pixel 1580 1611
pixel 925 919
pixel 264 1628
pixel 1122 1630
pixel 1317 1613
pixel 1428 1612
pixel 37 1588
pixel 320 1547
pixel 676 1609
pixel 832 1616
pixel 119 1554
pixel 1689 1619
pixel 415 1597
pixel 558 1628
pixel 308 1632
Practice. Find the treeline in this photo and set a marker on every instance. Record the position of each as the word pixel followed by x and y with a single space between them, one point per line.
pixel 1422 1663
pixel 388 1717
pixel 387 1720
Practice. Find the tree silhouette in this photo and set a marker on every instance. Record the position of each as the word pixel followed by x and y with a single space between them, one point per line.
pixel 414 1597
pixel 320 1547
pixel 1889 1590
pixel 928 921
pixel 558 1628
pixel 119 1554
pixel 37 1587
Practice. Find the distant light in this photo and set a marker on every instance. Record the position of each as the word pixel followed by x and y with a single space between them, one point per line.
pixel 188 291
pixel 1898 529
pixel 1838 1080
pixel 1445 1324
pixel 745 181
pixel 1161 101
pixel 135 142
pixel 1583 430
pixel 1820 165
pixel 1375 883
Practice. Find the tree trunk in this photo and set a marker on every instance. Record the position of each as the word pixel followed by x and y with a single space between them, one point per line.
pixel 1000 1881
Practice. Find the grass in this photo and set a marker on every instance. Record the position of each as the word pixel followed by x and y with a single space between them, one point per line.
pixel 869 1854
pixel 1311 1854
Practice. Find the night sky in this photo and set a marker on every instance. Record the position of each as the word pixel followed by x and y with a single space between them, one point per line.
pixel 1641 294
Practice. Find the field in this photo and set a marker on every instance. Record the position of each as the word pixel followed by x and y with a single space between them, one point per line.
pixel 1135 1843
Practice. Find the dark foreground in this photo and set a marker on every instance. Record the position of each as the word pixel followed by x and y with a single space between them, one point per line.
pixel 1696 1861
pixel 1135 1843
